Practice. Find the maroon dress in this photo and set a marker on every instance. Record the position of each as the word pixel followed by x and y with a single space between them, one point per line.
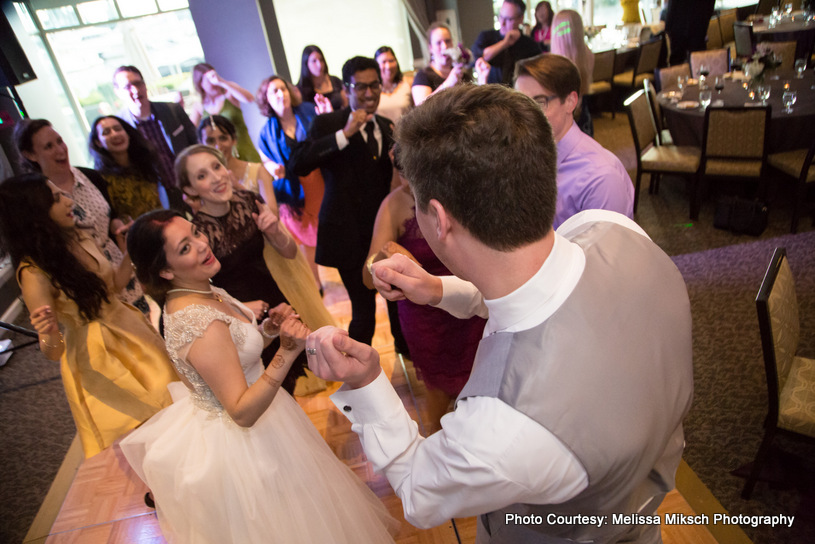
pixel 442 346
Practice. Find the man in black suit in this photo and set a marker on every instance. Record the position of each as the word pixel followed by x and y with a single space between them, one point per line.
pixel 164 124
pixel 351 147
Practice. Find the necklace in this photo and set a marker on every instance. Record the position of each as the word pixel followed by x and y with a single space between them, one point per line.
pixel 197 292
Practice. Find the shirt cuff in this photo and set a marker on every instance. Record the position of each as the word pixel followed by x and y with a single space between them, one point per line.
pixel 461 299
pixel 375 402
pixel 342 141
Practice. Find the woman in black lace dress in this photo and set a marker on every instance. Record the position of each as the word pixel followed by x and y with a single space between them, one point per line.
pixel 238 224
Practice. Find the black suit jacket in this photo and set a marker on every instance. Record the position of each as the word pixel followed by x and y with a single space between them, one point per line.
pixel 178 128
pixel 355 185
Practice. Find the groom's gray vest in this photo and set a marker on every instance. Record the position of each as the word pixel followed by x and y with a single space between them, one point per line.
pixel 610 375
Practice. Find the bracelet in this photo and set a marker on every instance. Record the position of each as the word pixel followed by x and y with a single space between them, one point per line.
pixel 61 342
pixel 266 334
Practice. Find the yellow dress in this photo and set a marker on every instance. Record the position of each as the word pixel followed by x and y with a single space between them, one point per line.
pixel 115 369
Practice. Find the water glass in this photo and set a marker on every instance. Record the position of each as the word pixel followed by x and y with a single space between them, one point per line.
pixel 800 66
pixel 788 9
pixel 788 99
pixel 705 97
pixel 681 81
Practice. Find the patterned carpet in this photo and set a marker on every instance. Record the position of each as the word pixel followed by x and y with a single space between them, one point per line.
pixel 723 272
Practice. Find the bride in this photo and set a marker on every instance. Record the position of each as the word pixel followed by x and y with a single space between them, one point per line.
pixel 235 459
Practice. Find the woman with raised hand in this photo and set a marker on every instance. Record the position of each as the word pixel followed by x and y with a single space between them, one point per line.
pixel 293 276
pixel 114 366
pixel 222 97
pixel 443 70
pixel 238 224
pixel 316 85
pixel 43 150
pixel 236 460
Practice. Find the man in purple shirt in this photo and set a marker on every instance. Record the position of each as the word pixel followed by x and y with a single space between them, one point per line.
pixel 588 175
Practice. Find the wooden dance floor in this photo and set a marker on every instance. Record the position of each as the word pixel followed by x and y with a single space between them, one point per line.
pixel 105 501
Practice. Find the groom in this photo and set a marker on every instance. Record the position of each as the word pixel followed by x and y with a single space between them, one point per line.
pixel 573 411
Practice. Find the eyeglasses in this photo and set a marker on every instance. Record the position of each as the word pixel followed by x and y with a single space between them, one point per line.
pixel 543 101
pixel 362 88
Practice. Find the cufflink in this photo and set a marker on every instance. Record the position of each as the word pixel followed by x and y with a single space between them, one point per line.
pixel 346 408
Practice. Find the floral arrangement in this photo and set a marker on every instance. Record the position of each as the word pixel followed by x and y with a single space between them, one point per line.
pixel 459 55
pixel 763 60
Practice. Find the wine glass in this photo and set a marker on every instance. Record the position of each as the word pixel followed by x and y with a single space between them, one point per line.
pixel 705 97
pixel 788 9
pixel 718 84
pixel 788 99
pixel 800 66
pixel 764 93
pixel 703 73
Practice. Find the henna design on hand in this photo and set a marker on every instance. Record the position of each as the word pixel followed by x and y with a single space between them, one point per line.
pixel 277 361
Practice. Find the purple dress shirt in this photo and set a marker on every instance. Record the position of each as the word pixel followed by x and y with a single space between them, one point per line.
pixel 590 177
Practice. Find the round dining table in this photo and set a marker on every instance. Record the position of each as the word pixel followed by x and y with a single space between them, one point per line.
pixel 799 28
pixel 685 118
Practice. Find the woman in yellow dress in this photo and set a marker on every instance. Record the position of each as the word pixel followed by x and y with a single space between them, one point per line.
pixel 115 368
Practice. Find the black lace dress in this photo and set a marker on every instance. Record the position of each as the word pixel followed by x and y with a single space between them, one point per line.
pixel 238 244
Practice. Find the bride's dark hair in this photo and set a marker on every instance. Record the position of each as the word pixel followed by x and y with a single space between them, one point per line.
pixel 28 234
pixel 145 244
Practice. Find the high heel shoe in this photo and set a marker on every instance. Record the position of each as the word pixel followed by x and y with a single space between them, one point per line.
pixel 148 500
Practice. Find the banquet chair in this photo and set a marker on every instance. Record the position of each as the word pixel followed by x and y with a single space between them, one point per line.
pixel 663 134
pixel 717 61
pixel 745 42
pixel 714 34
pixel 790 378
pixel 602 75
pixel 785 51
pixel 653 158
pixel 727 18
pixel 734 144
pixel 798 164
pixel 647 60
pixel 666 77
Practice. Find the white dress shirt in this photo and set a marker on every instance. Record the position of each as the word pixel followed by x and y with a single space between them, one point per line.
pixel 487 455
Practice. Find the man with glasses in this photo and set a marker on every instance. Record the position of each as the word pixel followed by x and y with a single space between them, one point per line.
pixel 588 175
pixel 351 148
pixel 504 47
pixel 165 124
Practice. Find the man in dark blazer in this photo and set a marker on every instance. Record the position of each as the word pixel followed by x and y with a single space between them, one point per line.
pixel 351 147
pixel 165 124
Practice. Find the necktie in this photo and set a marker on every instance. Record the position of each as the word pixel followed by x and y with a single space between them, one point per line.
pixel 373 145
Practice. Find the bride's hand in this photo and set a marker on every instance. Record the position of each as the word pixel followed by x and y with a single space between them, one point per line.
pixel 293 333
pixel 277 315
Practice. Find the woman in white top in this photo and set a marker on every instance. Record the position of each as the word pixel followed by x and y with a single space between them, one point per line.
pixel 395 99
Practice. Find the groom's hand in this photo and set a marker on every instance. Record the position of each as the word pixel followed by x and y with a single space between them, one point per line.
pixel 399 277
pixel 333 356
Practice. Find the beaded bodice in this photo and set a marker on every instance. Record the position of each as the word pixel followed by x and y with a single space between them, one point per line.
pixel 185 326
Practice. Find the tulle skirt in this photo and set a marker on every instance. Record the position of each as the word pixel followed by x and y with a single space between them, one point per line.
pixel 216 482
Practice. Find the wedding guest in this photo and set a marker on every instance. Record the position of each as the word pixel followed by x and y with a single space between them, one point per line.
pixel 300 197
pixel 129 164
pixel 293 276
pixel 235 459
pixel 588 175
pixel 395 99
pixel 504 47
pixel 43 150
pixel 114 367
pixel 441 72
pixel 584 374
pixel 570 41
pixel 164 124
pixel 316 85
pixel 237 224
pixel 542 31
pixel 222 97
pixel 442 347
pixel 351 148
